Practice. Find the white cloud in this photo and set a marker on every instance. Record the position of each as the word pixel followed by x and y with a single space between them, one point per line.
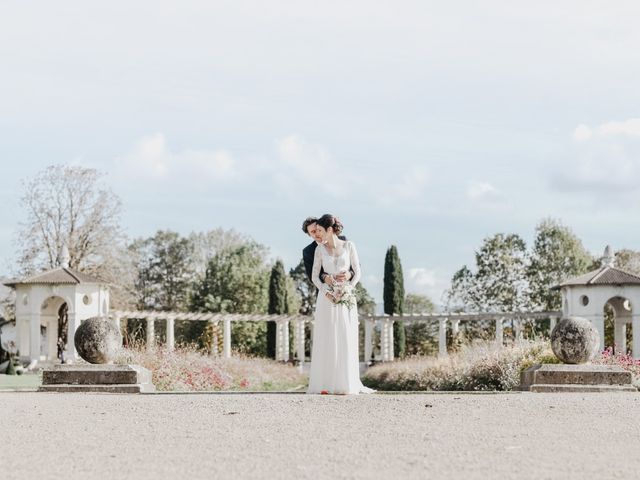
pixel 152 159
pixel 606 158
pixel 427 282
pixel 478 191
pixel 411 185
pixel 421 277
pixel 309 167
pixel 626 128
pixel 582 133
pixel 629 128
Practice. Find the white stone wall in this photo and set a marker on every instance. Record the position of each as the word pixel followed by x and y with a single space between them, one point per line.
pixel 598 296
pixel 37 305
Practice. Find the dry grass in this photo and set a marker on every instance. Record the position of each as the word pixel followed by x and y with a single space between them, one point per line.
pixel 476 367
pixel 187 369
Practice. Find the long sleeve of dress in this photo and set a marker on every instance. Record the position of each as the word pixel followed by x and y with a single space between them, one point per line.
pixel 315 273
pixel 355 264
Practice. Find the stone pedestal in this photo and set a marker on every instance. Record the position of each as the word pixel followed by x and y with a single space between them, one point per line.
pixel 576 378
pixel 97 378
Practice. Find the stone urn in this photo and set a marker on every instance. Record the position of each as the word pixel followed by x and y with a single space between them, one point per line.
pixel 98 340
pixel 574 340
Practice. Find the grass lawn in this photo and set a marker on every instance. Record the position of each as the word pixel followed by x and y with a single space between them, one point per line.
pixel 20 382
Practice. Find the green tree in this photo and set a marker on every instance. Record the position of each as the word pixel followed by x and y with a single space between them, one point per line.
pixel 557 254
pixel 393 294
pixel 628 260
pixel 294 301
pixel 237 281
pixel 165 271
pixel 418 303
pixel 205 246
pixel 422 337
pixel 500 281
pixel 278 303
pixel 306 291
pixel 366 303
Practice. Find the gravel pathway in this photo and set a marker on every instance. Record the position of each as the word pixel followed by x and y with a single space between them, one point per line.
pixel 193 436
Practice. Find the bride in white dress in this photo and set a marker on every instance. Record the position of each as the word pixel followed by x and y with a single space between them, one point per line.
pixel 335 363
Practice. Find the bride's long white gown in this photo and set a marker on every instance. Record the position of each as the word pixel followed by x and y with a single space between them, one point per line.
pixel 335 364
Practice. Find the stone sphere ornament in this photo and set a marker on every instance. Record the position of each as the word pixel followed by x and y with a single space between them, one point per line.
pixel 98 340
pixel 574 340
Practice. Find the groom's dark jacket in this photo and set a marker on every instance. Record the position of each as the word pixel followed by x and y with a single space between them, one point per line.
pixel 308 253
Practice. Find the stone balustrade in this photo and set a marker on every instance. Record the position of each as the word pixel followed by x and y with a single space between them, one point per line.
pixel 384 324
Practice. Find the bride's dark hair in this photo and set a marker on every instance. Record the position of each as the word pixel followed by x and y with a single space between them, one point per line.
pixel 327 220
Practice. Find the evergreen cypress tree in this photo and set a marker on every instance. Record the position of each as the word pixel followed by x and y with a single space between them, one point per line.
pixel 394 297
pixel 277 303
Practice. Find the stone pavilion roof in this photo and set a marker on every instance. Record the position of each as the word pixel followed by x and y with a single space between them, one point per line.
pixel 57 276
pixel 605 275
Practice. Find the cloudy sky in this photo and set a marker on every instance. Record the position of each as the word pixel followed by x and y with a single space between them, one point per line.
pixel 428 125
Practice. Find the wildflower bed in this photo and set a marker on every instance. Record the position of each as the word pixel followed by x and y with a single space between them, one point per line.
pixel 625 361
pixel 187 369
pixel 482 366
pixel 477 367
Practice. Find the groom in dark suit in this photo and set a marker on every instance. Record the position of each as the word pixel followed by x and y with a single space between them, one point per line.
pixel 309 227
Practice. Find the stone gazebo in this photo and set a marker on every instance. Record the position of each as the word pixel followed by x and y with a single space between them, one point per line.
pixel 587 295
pixel 44 300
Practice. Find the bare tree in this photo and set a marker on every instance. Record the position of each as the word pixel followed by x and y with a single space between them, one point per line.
pixel 72 206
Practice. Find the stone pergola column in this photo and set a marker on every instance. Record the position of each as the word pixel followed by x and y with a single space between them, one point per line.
pixel 278 342
pixel 553 321
pixel 226 338
pixel 285 341
pixel 635 343
pixel 171 334
pixel 298 333
pixel 282 340
pixel 455 328
pixel 213 326
pixel 151 334
pixel 518 331
pixel 383 340
pixel 386 339
pixel 442 337
pixel 499 332
pixel 391 354
pixel 368 340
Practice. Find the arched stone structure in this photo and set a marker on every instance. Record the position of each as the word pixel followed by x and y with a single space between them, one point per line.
pixel 38 299
pixel 586 296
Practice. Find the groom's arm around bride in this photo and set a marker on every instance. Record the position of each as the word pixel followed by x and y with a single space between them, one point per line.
pixel 308 253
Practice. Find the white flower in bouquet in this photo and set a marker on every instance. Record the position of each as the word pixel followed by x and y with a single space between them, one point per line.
pixel 343 294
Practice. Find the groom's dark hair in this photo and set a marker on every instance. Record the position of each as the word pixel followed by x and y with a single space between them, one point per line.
pixel 307 222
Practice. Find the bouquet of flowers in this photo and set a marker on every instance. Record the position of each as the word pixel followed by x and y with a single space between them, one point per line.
pixel 343 294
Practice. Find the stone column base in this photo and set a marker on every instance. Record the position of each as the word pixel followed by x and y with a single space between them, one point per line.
pixel 97 378
pixel 576 378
